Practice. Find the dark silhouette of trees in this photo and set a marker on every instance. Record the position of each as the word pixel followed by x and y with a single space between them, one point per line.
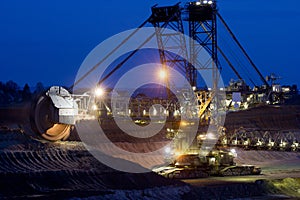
pixel 39 88
pixel 2 93
pixel 13 91
pixel 26 93
pixel 10 92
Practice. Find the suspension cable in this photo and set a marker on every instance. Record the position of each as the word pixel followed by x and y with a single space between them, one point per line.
pixel 133 52
pixel 109 54
pixel 243 50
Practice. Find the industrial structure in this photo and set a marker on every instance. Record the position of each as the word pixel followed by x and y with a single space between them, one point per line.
pixel 201 17
pixel 56 111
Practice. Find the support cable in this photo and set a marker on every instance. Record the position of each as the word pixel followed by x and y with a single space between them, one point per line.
pixel 239 63
pixel 133 53
pixel 109 54
pixel 229 63
pixel 243 50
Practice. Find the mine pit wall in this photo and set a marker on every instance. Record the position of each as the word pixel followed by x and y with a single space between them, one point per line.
pixel 17 113
pixel 63 176
pixel 269 118
pixel 16 117
pixel 262 118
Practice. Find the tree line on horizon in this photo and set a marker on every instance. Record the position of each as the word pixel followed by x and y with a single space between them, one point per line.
pixel 11 92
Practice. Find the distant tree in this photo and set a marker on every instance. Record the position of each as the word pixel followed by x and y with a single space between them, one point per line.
pixel 295 89
pixel 11 86
pixel 2 94
pixel 26 94
pixel 2 86
pixel 39 88
pixel 12 91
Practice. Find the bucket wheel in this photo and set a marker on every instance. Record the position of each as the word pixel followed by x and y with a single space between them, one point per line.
pixel 42 119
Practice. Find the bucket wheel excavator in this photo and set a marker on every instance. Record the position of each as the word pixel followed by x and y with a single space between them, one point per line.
pixel 54 114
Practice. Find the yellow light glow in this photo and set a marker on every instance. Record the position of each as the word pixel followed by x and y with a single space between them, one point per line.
pixel 99 91
pixel 183 123
pixel 94 107
pixel 162 74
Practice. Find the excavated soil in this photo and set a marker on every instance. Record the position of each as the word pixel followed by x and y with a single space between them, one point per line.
pixel 269 118
pixel 30 167
pixel 34 168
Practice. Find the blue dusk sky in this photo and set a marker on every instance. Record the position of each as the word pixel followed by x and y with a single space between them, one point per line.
pixel 48 40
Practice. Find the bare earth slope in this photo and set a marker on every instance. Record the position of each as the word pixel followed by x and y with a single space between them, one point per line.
pixel 34 168
pixel 265 118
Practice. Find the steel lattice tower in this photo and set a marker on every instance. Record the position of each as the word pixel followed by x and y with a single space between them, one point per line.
pixel 201 17
pixel 165 19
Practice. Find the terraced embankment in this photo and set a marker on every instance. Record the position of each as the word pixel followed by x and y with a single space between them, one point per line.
pixel 35 168
pixel 32 168
pixel 271 118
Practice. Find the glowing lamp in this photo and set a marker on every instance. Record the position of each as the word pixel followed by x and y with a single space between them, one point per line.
pixel 99 92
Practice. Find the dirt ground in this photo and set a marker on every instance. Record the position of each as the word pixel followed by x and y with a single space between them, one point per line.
pixel 34 168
